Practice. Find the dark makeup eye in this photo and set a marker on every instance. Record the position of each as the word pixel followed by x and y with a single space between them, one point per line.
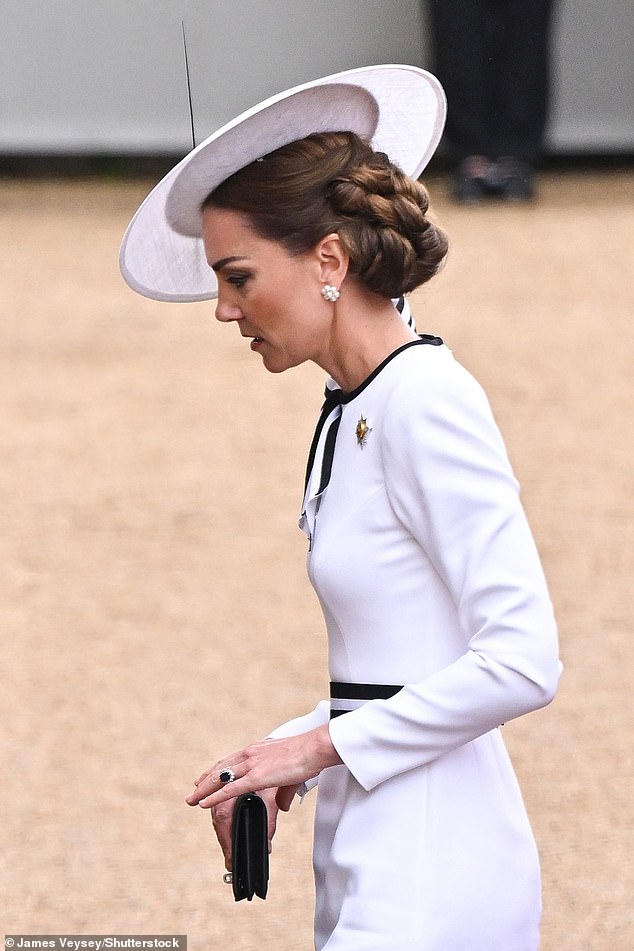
pixel 238 280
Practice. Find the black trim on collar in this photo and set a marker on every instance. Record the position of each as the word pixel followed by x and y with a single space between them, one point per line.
pixel 339 396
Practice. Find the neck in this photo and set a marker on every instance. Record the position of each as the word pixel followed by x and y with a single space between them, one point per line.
pixel 364 332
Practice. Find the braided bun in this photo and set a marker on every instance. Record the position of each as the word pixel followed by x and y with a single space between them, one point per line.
pixel 393 246
pixel 335 182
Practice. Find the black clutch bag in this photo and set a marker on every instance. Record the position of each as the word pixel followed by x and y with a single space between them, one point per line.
pixel 249 848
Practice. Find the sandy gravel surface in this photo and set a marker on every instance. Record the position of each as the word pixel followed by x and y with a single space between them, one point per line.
pixel 153 604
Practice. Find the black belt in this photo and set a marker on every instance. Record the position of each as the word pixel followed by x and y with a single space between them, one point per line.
pixel 347 697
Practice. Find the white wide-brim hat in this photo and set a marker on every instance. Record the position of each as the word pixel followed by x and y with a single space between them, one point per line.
pixel 399 109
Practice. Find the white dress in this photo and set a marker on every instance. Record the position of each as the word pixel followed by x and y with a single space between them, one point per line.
pixel 428 577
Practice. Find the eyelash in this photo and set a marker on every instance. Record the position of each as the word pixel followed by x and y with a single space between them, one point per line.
pixel 238 280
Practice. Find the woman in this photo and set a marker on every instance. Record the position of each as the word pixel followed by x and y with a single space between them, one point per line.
pixel 439 624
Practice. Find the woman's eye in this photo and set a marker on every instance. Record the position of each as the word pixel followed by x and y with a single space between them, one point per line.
pixel 238 280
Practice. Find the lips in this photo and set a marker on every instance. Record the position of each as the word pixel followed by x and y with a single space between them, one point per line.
pixel 254 339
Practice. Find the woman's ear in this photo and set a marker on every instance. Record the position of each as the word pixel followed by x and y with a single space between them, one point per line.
pixel 333 260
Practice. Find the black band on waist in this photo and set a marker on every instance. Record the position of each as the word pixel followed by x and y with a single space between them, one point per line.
pixel 342 691
pixel 346 697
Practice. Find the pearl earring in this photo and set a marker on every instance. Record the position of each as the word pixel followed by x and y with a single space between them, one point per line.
pixel 330 293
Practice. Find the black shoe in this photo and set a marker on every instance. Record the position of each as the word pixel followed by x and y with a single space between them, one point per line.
pixel 514 180
pixel 471 180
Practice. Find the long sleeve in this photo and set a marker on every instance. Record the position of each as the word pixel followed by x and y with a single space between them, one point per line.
pixel 449 483
pixel 302 724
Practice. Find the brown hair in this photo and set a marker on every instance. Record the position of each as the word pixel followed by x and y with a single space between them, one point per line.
pixel 334 182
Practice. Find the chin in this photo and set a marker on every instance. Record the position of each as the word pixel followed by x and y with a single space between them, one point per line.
pixel 280 365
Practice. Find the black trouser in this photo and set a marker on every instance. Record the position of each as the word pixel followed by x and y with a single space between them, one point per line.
pixel 492 57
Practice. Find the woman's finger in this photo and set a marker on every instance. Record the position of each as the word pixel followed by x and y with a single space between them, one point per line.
pixel 212 780
pixel 225 793
pixel 285 796
pixel 222 818
pixel 212 774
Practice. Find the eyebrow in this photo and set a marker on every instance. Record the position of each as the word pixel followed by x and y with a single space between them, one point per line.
pixel 222 262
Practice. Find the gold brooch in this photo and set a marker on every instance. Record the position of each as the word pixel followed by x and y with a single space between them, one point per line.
pixel 362 430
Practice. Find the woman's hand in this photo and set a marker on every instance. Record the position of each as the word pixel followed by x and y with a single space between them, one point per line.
pixel 282 765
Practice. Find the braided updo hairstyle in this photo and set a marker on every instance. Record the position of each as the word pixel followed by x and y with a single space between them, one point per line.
pixel 334 182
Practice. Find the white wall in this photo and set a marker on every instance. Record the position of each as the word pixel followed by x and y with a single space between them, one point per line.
pixel 593 75
pixel 82 76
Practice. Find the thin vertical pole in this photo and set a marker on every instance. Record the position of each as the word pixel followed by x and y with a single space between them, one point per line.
pixel 189 88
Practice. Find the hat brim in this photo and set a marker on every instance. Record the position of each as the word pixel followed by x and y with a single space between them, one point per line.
pixel 400 109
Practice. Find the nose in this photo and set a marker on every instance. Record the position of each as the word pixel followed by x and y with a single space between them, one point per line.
pixel 226 311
